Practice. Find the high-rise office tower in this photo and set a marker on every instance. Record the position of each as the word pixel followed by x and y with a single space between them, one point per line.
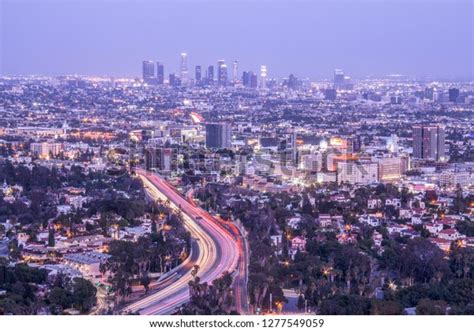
pixel 288 149
pixel 453 94
pixel 263 76
pixel 221 73
pixel 246 79
pixel 183 68
pixel 293 146
pixel 249 79
pixel 174 81
pixel 210 75
pixel 338 78
pixel 292 82
pixel 253 80
pixel 429 93
pixel 148 71
pixel 428 142
pixel 235 69
pixel 160 73
pixel 198 74
pixel 158 158
pixel 218 135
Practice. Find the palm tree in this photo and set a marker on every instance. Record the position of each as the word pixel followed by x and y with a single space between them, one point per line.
pixel 195 271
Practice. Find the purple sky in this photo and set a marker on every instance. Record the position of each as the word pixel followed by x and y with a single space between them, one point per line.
pixel 309 38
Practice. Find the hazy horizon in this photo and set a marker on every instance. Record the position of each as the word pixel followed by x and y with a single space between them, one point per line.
pixel 365 38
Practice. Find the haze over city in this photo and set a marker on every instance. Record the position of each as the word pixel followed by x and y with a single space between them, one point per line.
pixel 308 38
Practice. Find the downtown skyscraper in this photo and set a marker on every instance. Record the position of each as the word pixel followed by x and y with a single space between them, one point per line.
pixel 249 79
pixel 263 76
pixel 210 75
pixel 198 74
pixel 235 71
pixel 221 73
pixel 338 78
pixel 160 73
pixel 148 71
pixel 183 68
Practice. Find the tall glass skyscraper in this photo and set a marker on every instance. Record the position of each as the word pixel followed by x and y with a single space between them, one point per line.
pixel 160 73
pixel 338 78
pixel 263 76
pixel 183 69
pixel 221 73
pixel 198 74
pixel 148 71
pixel 235 73
pixel 218 135
pixel 428 142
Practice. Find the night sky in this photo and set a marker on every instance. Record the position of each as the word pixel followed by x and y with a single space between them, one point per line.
pixel 432 38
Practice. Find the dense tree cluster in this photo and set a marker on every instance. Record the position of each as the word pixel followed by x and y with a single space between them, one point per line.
pixel 214 299
pixel 77 293
pixel 337 278
pixel 39 199
pixel 23 285
pixel 35 209
pixel 132 262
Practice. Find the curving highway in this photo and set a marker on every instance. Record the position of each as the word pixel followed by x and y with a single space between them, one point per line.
pixel 241 274
pixel 214 250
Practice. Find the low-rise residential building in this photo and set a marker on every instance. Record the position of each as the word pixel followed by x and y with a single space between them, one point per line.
pixel 87 263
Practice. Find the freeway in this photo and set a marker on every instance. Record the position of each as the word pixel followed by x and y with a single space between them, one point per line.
pixel 214 249
pixel 241 274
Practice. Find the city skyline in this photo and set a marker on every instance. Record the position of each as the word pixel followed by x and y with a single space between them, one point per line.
pixel 252 163
pixel 365 38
